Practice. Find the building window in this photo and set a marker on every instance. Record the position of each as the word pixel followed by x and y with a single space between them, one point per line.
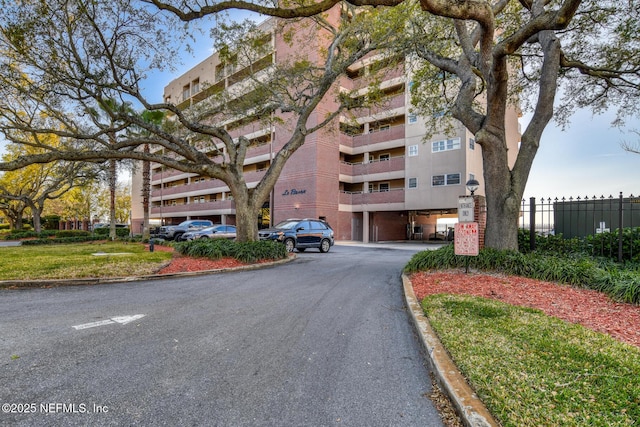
pixel 448 179
pixel 413 118
pixel 453 179
pixel 195 86
pixel 384 157
pixel 384 186
pixel 472 144
pixel 413 150
pixel 413 182
pixel 445 145
pixel 186 92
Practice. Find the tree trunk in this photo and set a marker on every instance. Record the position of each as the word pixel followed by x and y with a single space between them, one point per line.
pixel 17 219
pixel 146 192
pixel 246 224
pixel 246 215
pixel 503 199
pixel 112 199
pixel 37 219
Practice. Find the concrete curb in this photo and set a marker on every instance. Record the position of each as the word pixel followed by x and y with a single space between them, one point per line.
pixel 52 283
pixel 469 407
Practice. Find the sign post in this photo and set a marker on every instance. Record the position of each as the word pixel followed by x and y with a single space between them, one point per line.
pixel 466 239
pixel 466 207
pixel 467 231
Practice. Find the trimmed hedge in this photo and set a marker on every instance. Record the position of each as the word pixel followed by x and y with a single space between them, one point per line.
pixel 242 251
pixel 77 239
pixel 120 232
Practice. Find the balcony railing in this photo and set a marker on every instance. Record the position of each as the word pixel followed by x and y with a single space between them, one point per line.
pixel 194 207
pixel 258 150
pixel 389 103
pixel 354 169
pixel 364 139
pixel 395 195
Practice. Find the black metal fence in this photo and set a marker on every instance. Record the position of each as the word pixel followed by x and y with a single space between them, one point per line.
pixel 581 217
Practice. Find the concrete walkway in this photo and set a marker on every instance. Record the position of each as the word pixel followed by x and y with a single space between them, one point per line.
pixel 409 245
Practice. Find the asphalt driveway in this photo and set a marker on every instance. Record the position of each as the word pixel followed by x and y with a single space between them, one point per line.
pixel 322 341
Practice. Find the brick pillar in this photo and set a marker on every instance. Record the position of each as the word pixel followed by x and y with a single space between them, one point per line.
pixel 480 216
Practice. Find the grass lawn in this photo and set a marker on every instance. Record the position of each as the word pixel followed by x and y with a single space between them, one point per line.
pixel 534 370
pixel 111 259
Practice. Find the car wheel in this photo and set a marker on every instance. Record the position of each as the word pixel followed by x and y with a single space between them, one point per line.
pixel 178 237
pixel 204 237
pixel 325 245
pixel 289 245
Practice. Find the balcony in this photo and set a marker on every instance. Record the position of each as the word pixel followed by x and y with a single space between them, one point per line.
pixel 394 164
pixel 194 208
pixel 387 104
pixel 361 140
pixel 156 177
pixel 189 188
pixel 258 150
pixel 377 198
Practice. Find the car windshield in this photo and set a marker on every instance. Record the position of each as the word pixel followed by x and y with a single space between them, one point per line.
pixel 287 224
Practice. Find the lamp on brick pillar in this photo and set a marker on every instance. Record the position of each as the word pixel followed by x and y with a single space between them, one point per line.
pixel 472 185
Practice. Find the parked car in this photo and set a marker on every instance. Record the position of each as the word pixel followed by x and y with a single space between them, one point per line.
pixel 215 232
pixel 175 232
pixel 301 234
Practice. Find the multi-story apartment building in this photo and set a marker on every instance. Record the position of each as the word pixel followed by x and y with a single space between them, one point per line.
pixel 373 177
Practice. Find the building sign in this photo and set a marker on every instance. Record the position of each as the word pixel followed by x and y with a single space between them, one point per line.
pixel 466 239
pixel 293 192
pixel 465 209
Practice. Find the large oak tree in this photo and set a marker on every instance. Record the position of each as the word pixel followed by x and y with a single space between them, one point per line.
pixel 551 56
pixel 62 59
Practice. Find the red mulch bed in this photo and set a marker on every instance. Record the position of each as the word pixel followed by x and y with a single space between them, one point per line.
pixel 589 308
pixel 182 264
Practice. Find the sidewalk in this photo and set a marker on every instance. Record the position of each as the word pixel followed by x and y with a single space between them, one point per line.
pixel 408 245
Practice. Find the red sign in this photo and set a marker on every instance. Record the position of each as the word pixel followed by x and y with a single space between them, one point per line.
pixel 466 239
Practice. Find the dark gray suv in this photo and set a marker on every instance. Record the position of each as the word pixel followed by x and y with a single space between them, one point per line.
pixel 301 234
pixel 175 232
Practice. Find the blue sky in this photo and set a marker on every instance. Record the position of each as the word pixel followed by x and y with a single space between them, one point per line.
pixel 586 159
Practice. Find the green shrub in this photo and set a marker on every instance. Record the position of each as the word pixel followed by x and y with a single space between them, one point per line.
pixel 71 233
pixel 22 234
pixel 242 251
pixel 76 239
pixel 120 232
pixel 598 245
pixel 606 244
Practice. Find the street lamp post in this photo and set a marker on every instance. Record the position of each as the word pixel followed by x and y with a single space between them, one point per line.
pixel 472 185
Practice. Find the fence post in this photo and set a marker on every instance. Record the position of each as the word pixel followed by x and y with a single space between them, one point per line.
pixel 532 223
pixel 620 230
